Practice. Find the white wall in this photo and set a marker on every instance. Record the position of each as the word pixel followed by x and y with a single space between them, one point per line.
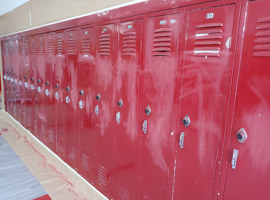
pixel 9 5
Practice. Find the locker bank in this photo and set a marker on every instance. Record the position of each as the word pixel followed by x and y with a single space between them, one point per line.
pixel 156 100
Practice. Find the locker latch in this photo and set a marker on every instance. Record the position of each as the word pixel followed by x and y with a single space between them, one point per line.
pixel 67 89
pixel 145 126
pixel 47 92
pixel 38 80
pixel 96 110
pixel 118 117
pixel 234 158
pixel 39 89
pixel 120 103
pixel 47 82
pixel 32 79
pixel 81 93
pixel 181 140
pixel 56 85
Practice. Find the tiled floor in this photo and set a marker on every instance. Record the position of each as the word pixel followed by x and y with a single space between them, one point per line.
pixel 16 181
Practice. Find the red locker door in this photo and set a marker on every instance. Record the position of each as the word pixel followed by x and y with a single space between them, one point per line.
pixel 49 109
pixel 11 67
pixel 12 76
pixel 248 168
pixel 26 97
pixel 104 89
pixel 39 118
pixel 86 114
pixel 4 62
pixel 70 95
pixel 15 81
pixel 126 114
pixel 204 88
pixel 20 81
pixel 32 75
pixel 158 107
pixel 60 73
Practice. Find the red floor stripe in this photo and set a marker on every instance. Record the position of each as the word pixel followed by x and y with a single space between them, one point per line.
pixel 45 197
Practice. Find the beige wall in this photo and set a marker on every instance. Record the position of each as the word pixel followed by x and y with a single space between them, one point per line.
pixel 39 12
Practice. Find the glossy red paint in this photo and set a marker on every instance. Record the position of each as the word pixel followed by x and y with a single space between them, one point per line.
pixel 250 179
pixel 101 75
pixel 86 115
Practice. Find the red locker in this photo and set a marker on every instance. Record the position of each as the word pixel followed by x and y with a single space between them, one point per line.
pixel 104 75
pixel 70 96
pixel 87 114
pixel 60 74
pixel 204 88
pixel 249 154
pixel 26 101
pixel 10 77
pixel 49 107
pixel 158 105
pixel 126 114
pixel 4 48
pixel 15 81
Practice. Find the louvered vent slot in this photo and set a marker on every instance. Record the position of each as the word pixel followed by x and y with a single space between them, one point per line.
pixel 33 47
pixel 208 40
pixel 105 45
pixel 26 47
pixel 162 42
pixel 71 50
pixel 86 45
pixel 41 47
pixel 20 47
pixel 129 44
pixel 59 46
pixel 49 46
pixel 262 38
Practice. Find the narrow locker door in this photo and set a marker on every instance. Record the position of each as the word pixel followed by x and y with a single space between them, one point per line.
pixel 15 81
pixel 70 95
pixel 33 53
pixel 40 121
pixel 158 107
pixel 50 129
pixel 204 89
pixel 248 165
pixel 86 113
pixel 59 74
pixel 12 76
pixel 4 61
pixel 19 79
pixel 126 113
pixel 26 98
pixel 104 78
pixel 11 66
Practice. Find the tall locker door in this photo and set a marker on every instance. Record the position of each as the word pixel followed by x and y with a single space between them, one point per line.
pixel 12 72
pixel 4 62
pixel 60 74
pixel 104 89
pixel 204 89
pixel 70 95
pixel 158 106
pixel 20 83
pixel 26 97
pixel 15 81
pixel 126 113
pixel 11 66
pixel 248 168
pixel 40 120
pixel 86 113
pixel 50 129
pixel 32 75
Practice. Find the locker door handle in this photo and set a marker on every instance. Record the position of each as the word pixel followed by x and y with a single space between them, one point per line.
pixel 148 110
pixel 120 103
pixel 67 88
pixel 57 86
pixel 181 140
pixel 98 97
pixel 234 158
pixel 81 93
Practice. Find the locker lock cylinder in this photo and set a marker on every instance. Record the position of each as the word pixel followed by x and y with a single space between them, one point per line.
pixel 56 85
pixel 241 135
pixel 98 97
pixel 186 121
pixel 47 82
pixel 147 110
pixel 81 93
pixel 67 89
pixel 32 79
pixel 25 77
pixel 120 103
pixel 38 80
